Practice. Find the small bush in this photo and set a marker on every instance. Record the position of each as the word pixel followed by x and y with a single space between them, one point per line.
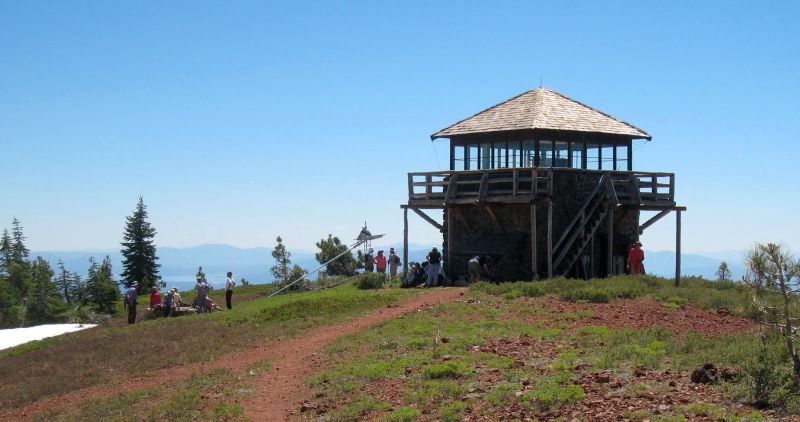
pixel 402 414
pixel 370 280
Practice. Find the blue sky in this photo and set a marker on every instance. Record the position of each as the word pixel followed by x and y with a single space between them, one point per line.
pixel 241 121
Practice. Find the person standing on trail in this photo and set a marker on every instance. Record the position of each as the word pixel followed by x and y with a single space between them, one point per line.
pixel 202 293
pixel 229 283
pixel 369 261
pixel 380 262
pixel 636 259
pixel 394 262
pixel 130 302
pixel 434 262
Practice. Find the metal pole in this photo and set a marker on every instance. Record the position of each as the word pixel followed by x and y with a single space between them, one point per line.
pixel 357 244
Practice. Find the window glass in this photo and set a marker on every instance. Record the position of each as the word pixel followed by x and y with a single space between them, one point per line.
pixel 486 156
pixel 622 158
pixel 500 155
pixel 561 156
pixel 607 157
pixel 459 161
pixel 593 157
pixel 527 154
pixel 472 157
pixel 545 153
pixel 514 154
pixel 577 155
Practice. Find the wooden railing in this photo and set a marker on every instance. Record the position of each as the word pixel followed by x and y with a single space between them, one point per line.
pixel 592 209
pixel 498 185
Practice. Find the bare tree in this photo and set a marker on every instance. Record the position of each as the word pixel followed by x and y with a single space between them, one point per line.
pixel 770 269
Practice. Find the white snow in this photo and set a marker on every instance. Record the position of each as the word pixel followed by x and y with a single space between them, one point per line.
pixel 15 336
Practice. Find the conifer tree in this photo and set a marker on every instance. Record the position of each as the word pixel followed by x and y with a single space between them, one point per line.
pixel 44 301
pixel 139 252
pixel 101 289
pixel 63 282
pixel 281 270
pixel 330 248
pixel 5 252
pixel 18 250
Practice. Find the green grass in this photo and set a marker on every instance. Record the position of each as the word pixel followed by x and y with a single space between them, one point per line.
pixel 103 354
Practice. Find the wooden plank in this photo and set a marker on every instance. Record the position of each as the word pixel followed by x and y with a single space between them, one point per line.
pixel 451 188
pixel 677 248
pixel 427 218
pixel 405 241
pixel 449 243
pixel 514 186
pixel 549 238
pixel 410 186
pixel 534 267
pixel 652 220
pixel 610 263
pixel 483 188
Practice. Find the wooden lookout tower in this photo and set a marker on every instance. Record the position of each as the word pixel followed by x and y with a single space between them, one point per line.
pixel 546 186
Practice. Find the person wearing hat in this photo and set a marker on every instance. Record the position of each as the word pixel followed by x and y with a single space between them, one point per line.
pixel 130 302
pixel 434 262
pixel 636 259
pixel 369 261
pixel 394 262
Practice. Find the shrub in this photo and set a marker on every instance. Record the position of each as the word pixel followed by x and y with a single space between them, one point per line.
pixel 370 280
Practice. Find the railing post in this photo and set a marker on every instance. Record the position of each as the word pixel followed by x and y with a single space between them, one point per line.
pixel 410 186
pixel 428 187
pixel 672 187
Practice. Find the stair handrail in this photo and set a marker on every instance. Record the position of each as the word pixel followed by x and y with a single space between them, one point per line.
pixel 580 212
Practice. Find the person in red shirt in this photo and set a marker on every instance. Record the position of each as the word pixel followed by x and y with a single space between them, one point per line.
pixel 155 298
pixel 380 262
pixel 636 259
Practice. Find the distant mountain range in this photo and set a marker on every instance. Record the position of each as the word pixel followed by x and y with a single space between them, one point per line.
pixel 179 265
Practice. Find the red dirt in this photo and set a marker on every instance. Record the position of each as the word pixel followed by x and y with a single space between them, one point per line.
pixel 278 392
pixel 645 313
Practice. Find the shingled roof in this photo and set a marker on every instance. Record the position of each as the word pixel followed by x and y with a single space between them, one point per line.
pixel 541 108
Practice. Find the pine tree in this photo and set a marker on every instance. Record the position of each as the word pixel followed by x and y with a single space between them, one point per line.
pixel 139 252
pixel 63 282
pixel 330 248
pixel 5 252
pixel 723 273
pixel 18 250
pixel 281 270
pixel 101 289
pixel 44 301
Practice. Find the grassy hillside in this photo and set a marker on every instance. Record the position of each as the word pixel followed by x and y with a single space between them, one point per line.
pixel 112 352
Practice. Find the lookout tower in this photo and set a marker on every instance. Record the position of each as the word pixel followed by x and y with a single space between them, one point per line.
pixel 546 186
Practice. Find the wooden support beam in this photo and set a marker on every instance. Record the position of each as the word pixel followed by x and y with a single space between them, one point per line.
pixel 449 256
pixel 459 216
pixel 427 218
pixel 677 248
pixel 610 271
pixel 494 217
pixel 652 220
pixel 534 267
pixel 405 241
pixel 549 238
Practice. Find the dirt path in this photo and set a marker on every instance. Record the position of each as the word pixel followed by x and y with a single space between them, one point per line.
pixel 279 391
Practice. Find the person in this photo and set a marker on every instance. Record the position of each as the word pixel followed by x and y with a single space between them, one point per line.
pixel 202 293
pixel 229 290
pixel 130 302
pixel 419 275
pixel 168 302
pixel 394 262
pixel 211 305
pixel 434 262
pixel 475 266
pixel 636 259
pixel 380 262
pixel 369 261
pixel 177 302
pixel 155 300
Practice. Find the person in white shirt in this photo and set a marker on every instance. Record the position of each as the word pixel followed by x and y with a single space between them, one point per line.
pixel 229 290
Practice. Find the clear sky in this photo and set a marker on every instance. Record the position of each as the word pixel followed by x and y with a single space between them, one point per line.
pixel 241 121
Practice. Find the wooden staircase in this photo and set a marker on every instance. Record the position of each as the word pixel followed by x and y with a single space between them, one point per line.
pixel 580 231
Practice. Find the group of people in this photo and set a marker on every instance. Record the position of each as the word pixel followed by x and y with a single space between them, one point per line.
pixel 380 262
pixel 428 273
pixel 171 303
